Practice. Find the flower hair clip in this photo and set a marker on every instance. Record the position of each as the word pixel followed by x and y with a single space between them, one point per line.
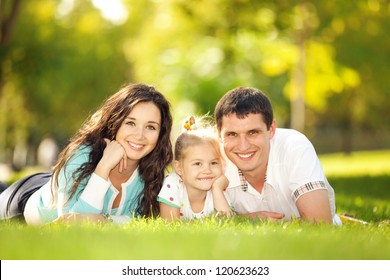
pixel 188 123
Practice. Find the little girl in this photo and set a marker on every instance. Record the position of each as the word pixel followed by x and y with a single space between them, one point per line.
pixel 196 188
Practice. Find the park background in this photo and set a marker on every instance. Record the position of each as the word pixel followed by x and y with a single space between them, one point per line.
pixel 323 63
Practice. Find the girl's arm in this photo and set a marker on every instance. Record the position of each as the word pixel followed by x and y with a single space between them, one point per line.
pixel 220 202
pixel 169 213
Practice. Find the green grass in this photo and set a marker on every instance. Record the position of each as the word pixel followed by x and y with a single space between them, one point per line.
pixel 369 163
pixel 209 239
pixel 364 197
pixel 362 191
pixel 361 181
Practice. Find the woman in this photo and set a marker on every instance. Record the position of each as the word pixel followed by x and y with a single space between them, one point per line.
pixel 112 169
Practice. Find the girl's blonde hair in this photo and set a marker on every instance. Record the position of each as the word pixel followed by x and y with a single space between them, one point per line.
pixel 196 131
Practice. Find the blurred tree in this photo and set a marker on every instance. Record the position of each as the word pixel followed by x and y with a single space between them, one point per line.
pixel 323 63
pixel 62 65
pixel 358 33
pixel 8 15
pixel 198 50
pixel 290 49
pixel 269 44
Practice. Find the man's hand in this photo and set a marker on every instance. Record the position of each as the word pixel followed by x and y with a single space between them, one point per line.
pixel 265 215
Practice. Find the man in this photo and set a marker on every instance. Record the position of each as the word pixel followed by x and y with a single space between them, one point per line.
pixel 273 172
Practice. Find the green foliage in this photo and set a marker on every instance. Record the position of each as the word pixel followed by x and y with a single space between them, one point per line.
pixel 61 67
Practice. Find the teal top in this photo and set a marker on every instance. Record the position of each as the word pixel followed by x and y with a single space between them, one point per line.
pixel 94 195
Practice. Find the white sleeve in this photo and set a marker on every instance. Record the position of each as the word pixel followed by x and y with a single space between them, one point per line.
pixel 95 191
pixel 303 164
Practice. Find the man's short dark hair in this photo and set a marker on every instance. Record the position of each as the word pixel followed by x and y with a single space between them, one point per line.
pixel 243 101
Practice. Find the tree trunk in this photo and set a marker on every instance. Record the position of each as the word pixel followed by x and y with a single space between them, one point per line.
pixel 7 20
pixel 298 90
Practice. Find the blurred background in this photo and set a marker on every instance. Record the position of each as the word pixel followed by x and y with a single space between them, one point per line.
pixel 323 63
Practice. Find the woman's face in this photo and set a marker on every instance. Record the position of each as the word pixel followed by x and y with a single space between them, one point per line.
pixel 138 134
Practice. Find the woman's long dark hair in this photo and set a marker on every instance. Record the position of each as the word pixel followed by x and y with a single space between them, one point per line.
pixel 105 124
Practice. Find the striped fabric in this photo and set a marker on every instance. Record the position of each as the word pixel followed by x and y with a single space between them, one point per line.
pixel 307 188
pixel 244 184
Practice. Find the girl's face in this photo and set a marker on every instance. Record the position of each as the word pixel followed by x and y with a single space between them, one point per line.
pixel 138 134
pixel 199 167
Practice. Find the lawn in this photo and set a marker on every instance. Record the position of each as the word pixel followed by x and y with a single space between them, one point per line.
pixel 362 185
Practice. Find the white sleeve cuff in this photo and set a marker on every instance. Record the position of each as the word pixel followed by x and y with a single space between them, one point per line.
pixel 95 191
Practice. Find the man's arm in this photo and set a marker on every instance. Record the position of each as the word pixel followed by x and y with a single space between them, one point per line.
pixel 264 215
pixel 314 206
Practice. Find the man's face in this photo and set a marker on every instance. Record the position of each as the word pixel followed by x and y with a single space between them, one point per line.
pixel 246 141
